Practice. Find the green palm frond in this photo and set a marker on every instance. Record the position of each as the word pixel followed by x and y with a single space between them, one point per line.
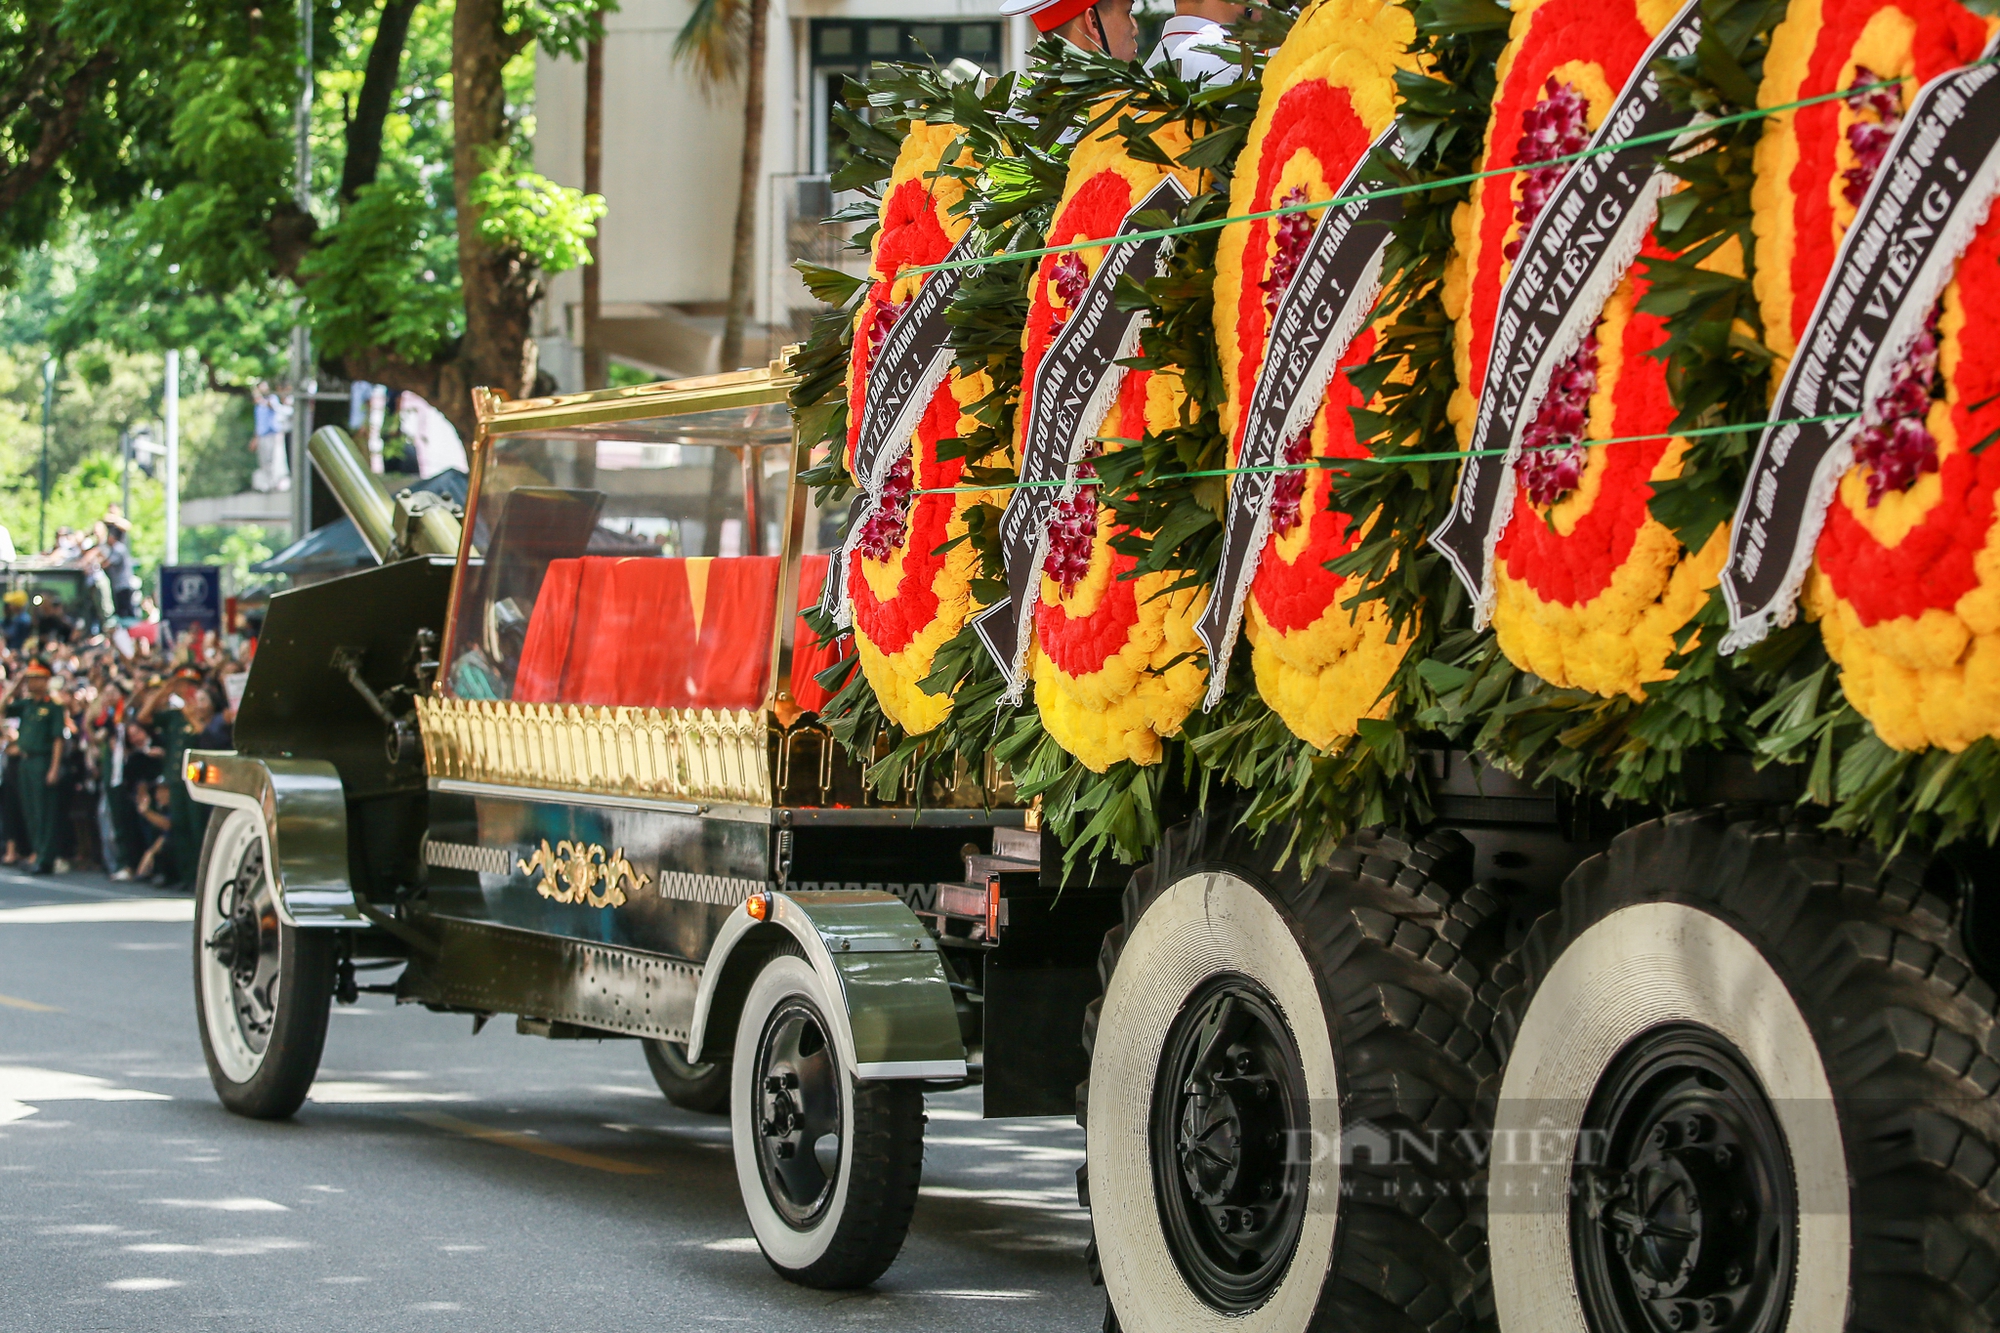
pixel 712 41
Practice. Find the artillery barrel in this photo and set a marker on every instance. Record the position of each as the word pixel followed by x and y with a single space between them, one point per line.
pixel 359 493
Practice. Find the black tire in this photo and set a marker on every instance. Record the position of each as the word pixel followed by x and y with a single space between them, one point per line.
pixel 262 1010
pixel 701 1086
pixel 1379 933
pixel 1803 958
pixel 835 1229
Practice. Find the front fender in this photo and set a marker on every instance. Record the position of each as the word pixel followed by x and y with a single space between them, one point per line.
pixel 303 810
pixel 898 1019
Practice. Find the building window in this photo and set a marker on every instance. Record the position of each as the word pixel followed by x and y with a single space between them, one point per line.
pixel 848 48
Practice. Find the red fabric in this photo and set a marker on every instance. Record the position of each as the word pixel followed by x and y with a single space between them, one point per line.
pixel 809 655
pixel 622 631
pixel 731 662
pixel 539 677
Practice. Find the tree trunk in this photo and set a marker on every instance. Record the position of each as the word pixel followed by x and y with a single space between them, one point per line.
pixel 499 288
pixel 747 188
pixel 378 90
pixel 594 369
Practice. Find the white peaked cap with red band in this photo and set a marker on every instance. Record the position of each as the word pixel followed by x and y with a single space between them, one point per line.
pixel 1047 14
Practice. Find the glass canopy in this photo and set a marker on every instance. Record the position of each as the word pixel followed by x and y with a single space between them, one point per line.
pixel 645 548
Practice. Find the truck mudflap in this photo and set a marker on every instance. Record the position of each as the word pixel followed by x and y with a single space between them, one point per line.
pixel 302 812
pixel 899 1020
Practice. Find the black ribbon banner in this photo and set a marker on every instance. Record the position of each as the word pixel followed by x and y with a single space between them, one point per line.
pixel 1571 261
pixel 1074 386
pixel 1326 304
pixel 912 361
pixel 1930 195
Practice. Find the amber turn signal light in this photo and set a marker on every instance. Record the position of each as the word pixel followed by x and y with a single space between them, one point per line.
pixel 758 905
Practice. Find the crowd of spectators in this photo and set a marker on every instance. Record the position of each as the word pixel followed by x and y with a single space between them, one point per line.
pixel 99 711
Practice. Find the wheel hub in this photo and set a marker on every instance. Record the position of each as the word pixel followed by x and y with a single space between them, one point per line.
pixel 1684 1209
pixel 247 944
pixel 798 1113
pixel 1229 1105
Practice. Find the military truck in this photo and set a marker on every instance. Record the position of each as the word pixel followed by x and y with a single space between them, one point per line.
pixel 561 761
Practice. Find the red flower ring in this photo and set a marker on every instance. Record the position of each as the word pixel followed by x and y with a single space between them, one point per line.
pixel 907 599
pixel 1103 641
pixel 1589 590
pixel 1906 579
pixel 1328 94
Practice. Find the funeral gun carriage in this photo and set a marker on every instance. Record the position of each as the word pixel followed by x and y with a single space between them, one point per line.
pixel 563 760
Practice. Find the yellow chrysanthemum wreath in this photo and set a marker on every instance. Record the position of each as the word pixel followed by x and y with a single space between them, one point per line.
pixel 1103 641
pixel 1906 577
pixel 1329 92
pixel 1589 588
pixel 907 599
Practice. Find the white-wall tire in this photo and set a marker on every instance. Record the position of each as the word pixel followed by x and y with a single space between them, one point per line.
pixel 1838 986
pixel 1211 911
pixel 1640 968
pixel 848 1233
pixel 261 1008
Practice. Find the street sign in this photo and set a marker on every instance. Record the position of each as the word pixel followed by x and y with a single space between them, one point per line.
pixel 191 595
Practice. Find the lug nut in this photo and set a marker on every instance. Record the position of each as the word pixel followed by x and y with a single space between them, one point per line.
pixel 1725 1156
pixel 1226 1221
pixel 1733 1274
pixel 1661 1138
pixel 1693 1126
pixel 1716 1310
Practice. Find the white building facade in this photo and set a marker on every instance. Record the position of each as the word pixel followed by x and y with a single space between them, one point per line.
pixel 672 158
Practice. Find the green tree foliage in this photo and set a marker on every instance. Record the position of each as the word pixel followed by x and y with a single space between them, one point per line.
pixel 190 211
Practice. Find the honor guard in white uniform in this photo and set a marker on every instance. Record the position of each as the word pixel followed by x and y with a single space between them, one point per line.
pixel 1104 26
pixel 1189 36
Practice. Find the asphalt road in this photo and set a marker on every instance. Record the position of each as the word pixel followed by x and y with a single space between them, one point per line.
pixel 435 1180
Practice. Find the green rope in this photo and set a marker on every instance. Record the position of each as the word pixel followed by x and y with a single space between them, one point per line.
pixel 1212 224
pixel 1448 456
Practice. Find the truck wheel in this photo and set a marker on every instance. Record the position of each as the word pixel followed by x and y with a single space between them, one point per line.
pixel 828 1167
pixel 262 989
pixel 1281 1066
pixel 692 1085
pixel 1748 1089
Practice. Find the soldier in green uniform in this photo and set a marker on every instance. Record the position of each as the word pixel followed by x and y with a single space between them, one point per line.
pixel 44 727
pixel 178 729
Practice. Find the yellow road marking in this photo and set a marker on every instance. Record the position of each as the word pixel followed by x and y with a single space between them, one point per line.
pixel 530 1143
pixel 29 1005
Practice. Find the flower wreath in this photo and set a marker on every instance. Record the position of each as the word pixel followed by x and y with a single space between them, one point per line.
pixel 1589 588
pixel 1329 92
pixel 1112 658
pixel 908 598
pixel 1906 577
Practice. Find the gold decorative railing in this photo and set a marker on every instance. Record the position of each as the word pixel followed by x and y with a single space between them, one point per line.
pixel 690 754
